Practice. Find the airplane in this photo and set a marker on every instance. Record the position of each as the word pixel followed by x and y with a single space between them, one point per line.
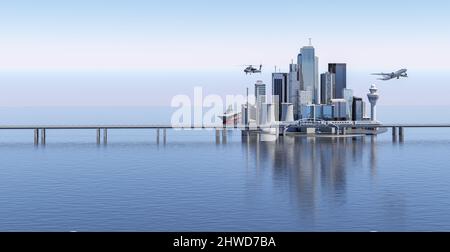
pixel 251 69
pixel 389 76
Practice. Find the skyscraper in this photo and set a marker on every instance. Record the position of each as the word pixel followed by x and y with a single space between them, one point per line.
pixel 327 82
pixel 348 96
pixel 293 87
pixel 358 109
pixel 339 109
pixel 340 71
pixel 260 98
pixel 279 92
pixel 309 72
pixel 260 92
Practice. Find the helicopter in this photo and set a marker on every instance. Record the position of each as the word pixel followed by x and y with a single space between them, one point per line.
pixel 251 69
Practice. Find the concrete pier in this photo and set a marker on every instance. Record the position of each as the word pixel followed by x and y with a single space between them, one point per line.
pixel 98 136
pixel 157 136
pixel 43 136
pixel 164 136
pixel 401 134
pixel 105 135
pixel 36 136
pixel 394 134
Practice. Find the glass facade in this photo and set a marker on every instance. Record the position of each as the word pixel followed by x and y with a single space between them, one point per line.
pixel 327 112
pixel 339 109
pixel 327 83
pixel 293 87
pixel 279 92
pixel 260 92
pixel 358 109
pixel 348 96
pixel 340 71
pixel 309 71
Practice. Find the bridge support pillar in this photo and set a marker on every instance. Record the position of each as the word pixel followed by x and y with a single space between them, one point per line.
pixel 164 136
pixel 401 134
pixel 43 136
pixel 98 136
pixel 157 136
pixel 105 136
pixel 36 136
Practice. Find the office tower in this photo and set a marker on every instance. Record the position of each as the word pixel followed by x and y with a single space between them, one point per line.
pixel 260 98
pixel 260 92
pixel 340 71
pixel 306 111
pixel 339 109
pixel 293 86
pixel 318 111
pixel 309 72
pixel 348 96
pixel 373 98
pixel 244 114
pixel 279 92
pixel 305 99
pixel 327 112
pixel 327 82
pixel 358 109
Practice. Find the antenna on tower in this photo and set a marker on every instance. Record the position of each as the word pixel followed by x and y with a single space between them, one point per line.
pixel 310 44
pixel 275 69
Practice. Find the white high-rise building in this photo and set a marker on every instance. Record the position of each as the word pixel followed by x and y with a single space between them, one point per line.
pixel 260 98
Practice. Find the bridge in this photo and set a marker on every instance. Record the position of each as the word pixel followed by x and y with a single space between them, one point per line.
pixel 41 130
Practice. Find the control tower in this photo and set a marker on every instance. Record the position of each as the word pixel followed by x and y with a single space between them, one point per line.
pixel 373 98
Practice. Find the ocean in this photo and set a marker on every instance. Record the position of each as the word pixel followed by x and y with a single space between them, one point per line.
pixel 192 183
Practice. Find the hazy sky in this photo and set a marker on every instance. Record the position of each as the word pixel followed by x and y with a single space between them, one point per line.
pixel 173 37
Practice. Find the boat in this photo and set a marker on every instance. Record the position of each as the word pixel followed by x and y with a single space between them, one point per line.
pixel 230 117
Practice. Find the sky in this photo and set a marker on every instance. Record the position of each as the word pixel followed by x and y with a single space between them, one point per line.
pixel 172 39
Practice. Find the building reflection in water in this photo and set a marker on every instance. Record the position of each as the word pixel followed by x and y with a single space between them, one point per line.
pixel 310 167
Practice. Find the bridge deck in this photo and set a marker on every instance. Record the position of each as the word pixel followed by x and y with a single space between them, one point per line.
pixel 166 126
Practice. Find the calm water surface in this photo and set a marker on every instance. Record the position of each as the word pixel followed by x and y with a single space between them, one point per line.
pixel 192 183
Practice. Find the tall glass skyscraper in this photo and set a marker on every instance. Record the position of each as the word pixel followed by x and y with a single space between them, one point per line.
pixel 340 71
pixel 327 83
pixel 279 92
pixel 293 87
pixel 260 92
pixel 309 70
